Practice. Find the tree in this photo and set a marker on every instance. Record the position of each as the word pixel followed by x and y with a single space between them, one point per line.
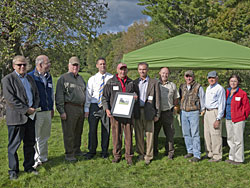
pixel 48 24
pixel 181 16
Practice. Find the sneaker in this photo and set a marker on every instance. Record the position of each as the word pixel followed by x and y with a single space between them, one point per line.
pixel 236 163
pixel 116 160
pixel 70 159
pixel 229 161
pixel 170 156
pixel 194 159
pixel 37 164
pixel 105 156
pixel 214 160
pixel 189 155
pixel 147 162
pixel 13 176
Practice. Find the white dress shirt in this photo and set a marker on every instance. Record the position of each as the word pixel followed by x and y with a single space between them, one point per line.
pixel 216 98
pixel 92 91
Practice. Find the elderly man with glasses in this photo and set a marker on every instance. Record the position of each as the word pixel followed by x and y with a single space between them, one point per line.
pixel 21 94
pixel 70 100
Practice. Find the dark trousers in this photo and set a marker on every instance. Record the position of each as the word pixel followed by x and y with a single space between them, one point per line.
pixel 97 114
pixel 117 131
pixel 165 121
pixel 72 129
pixel 17 133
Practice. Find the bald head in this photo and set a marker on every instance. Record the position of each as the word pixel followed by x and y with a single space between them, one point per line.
pixel 42 64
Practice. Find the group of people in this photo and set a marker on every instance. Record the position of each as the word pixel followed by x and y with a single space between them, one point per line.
pixel 30 101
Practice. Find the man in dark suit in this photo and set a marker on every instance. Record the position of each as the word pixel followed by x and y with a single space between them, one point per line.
pixel 146 111
pixel 21 94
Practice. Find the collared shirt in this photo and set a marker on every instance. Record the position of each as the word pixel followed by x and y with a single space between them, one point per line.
pixel 43 77
pixel 169 93
pixel 92 91
pixel 143 86
pixel 216 98
pixel 27 87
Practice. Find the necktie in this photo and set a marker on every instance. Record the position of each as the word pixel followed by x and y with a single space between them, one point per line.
pixel 101 92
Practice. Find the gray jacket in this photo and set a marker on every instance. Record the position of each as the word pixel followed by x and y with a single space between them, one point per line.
pixel 17 100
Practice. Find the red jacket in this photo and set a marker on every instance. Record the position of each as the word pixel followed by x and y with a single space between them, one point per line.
pixel 240 108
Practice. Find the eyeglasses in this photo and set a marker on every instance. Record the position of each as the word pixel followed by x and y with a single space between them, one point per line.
pixel 19 65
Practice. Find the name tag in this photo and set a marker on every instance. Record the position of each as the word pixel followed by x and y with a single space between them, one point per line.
pixel 50 85
pixel 237 98
pixel 115 88
pixel 150 98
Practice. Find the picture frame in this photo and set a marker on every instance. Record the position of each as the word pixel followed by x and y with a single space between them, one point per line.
pixel 123 105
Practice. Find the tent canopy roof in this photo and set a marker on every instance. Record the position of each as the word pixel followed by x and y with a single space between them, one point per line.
pixel 191 51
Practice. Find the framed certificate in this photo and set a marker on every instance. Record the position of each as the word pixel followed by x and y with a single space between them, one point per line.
pixel 123 105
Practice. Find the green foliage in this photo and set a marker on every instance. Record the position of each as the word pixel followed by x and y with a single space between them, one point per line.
pixel 181 16
pixel 48 24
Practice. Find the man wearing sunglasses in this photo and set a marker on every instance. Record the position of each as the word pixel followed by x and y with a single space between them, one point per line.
pixel 192 104
pixel 21 94
pixel 70 100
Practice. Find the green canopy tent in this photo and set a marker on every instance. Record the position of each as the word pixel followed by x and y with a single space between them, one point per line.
pixel 191 51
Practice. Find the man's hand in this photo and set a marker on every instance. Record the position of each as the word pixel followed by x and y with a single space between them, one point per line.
pixel 31 111
pixel 217 124
pixel 86 114
pixel 202 113
pixel 63 116
pixel 156 119
pixel 108 113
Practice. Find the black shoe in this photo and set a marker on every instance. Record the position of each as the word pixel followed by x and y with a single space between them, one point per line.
pixel 105 156
pixel 89 156
pixel 13 176
pixel 205 157
pixel 32 171
pixel 189 155
pixel 194 159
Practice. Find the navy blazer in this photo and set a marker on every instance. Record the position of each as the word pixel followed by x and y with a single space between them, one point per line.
pixel 16 98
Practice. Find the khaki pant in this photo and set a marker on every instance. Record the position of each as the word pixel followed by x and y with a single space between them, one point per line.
pixel 213 139
pixel 117 131
pixel 142 125
pixel 42 129
pixel 72 129
pixel 235 140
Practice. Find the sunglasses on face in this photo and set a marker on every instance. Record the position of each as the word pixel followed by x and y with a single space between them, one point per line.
pixel 19 65
pixel 188 76
pixel 75 64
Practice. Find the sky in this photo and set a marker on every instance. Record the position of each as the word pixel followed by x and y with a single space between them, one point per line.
pixel 121 15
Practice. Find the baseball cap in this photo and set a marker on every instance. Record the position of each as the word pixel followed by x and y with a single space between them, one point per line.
pixel 212 74
pixel 120 65
pixel 74 60
pixel 189 73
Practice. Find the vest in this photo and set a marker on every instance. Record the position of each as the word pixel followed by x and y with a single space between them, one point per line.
pixel 190 100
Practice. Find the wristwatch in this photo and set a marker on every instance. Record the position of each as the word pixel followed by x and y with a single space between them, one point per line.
pixel 217 119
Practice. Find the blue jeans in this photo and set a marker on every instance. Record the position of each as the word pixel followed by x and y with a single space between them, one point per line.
pixel 191 133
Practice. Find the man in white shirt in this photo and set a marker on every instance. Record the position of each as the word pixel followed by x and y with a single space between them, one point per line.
pixel 94 110
pixel 215 101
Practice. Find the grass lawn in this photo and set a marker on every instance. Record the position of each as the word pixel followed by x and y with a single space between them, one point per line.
pixel 58 173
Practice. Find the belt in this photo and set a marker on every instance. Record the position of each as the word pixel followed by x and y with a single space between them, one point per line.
pixel 74 104
pixel 211 109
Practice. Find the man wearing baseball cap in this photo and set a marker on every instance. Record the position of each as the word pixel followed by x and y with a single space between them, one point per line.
pixel 215 101
pixel 192 104
pixel 119 83
pixel 70 99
